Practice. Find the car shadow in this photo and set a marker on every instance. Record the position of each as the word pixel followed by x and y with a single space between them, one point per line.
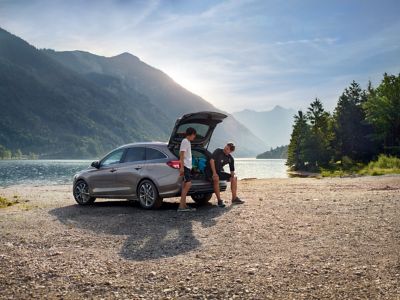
pixel 150 234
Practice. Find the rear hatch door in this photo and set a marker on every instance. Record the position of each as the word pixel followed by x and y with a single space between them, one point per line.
pixel 204 122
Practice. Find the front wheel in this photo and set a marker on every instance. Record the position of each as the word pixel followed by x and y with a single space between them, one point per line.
pixel 81 193
pixel 201 198
pixel 148 195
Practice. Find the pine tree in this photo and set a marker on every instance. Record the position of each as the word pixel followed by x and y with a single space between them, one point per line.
pixel 351 131
pixel 320 151
pixel 383 111
pixel 298 146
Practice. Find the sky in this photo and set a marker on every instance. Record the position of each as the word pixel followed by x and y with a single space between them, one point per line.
pixel 238 54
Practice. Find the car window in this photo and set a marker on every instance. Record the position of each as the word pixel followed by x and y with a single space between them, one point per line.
pixel 135 154
pixel 113 158
pixel 201 130
pixel 154 154
pixel 198 154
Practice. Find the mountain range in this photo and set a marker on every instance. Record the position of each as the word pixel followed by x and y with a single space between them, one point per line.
pixel 273 127
pixel 75 104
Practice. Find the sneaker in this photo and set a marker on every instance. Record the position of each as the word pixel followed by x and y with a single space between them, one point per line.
pixel 186 209
pixel 237 200
pixel 221 203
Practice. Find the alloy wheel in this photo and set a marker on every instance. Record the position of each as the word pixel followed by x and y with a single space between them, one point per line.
pixel 147 194
pixel 81 192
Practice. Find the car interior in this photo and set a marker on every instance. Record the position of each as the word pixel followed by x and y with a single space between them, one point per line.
pixel 200 159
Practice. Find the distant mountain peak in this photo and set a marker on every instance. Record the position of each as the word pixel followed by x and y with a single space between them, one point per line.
pixel 126 55
pixel 278 107
pixel 272 126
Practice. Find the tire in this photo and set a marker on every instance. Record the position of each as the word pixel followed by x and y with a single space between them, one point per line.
pixel 148 195
pixel 202 198
pixel 81 193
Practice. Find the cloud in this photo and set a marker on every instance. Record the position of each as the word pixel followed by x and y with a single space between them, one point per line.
pixel 328 41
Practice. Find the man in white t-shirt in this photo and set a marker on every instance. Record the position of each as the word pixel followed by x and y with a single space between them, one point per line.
pixel 185 157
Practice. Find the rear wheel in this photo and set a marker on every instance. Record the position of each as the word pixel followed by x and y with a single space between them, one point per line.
pixel 148 195
pixel 201 198
pixel 81 193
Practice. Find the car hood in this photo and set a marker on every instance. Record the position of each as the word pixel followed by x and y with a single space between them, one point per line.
pixel 204 122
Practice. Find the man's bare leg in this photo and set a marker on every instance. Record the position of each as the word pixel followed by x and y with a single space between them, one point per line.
pixel 234 187
pixel 216 187
pixel 185 190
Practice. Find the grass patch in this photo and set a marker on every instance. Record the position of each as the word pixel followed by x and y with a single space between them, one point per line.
pixel 382 166
pixel 4 202
pixel 334 173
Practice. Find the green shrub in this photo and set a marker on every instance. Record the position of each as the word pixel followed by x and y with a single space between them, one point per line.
pixel 385 162
pixel 384 165
pixel 347 163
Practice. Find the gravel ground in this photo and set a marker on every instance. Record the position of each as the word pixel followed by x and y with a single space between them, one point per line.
pixel 292 239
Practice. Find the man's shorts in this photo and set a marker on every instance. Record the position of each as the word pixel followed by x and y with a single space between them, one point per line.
pixel 224 176
pixel 187 176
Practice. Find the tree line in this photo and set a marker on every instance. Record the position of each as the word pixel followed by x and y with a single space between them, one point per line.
pixel 364 124
pixel 8 154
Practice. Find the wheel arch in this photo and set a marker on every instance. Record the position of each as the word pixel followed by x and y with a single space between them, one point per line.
pixel 86 181
pixel 149 179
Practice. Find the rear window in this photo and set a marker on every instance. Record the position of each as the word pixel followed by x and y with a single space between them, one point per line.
pixel 135 154
pixel 201 130
pixel 154 154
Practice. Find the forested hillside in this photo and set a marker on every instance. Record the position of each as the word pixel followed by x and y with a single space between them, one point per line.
pixel 50 110
pixel 274 153
pixel 126 71
pixel 79 105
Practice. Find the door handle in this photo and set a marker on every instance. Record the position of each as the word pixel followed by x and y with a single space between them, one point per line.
pixel 113 170
pixel 138 167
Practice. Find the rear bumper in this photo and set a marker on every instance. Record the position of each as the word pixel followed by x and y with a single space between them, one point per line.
pixel 206 188
pixel 196 188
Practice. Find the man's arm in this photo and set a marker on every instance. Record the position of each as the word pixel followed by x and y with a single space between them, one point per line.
pixel 212 164
pixel 232 166
pixel 214 156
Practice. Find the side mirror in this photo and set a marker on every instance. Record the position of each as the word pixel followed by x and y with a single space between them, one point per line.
pixel 96 164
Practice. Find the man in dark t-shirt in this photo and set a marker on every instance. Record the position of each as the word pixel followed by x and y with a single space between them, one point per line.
pixel 219 159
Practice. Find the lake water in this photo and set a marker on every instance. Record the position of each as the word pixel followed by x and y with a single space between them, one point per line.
pixel 43 172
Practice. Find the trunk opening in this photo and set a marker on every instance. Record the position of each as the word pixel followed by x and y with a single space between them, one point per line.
pixel 200 160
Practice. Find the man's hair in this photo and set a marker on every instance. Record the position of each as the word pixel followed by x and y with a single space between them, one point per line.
pixel 190 131
pixel 231 146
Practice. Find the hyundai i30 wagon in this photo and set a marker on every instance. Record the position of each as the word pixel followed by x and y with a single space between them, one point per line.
pixel 149 172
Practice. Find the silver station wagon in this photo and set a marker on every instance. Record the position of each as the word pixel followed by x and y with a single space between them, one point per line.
pixel 149 171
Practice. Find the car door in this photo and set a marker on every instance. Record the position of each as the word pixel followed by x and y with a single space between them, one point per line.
pixel 130 171
pixel 158 170
pixel 103 180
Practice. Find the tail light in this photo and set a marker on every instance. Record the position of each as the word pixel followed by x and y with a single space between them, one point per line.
pixel 175 164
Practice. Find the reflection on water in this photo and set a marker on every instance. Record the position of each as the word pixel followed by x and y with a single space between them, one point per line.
pixel 260 168
pixel 42 172
pixel 39 171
